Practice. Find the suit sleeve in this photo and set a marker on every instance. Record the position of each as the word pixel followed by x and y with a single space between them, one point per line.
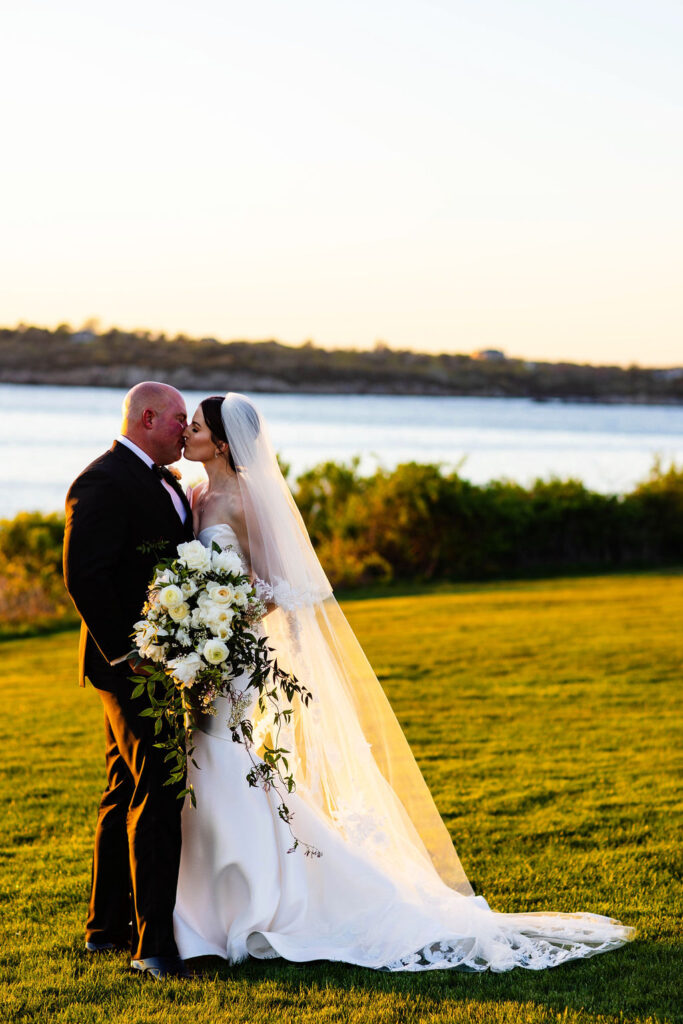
pixel 95 542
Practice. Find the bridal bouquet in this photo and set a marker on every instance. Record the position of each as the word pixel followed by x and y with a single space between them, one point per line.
pixel 198 625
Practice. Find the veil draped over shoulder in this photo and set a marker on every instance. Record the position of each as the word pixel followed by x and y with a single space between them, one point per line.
pixel 348 754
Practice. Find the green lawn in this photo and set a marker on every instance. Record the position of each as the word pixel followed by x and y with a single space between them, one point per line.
pixel 545 717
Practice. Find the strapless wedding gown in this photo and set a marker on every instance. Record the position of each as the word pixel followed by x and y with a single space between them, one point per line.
pixel 241 894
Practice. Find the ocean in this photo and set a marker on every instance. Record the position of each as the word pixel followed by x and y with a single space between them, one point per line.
pixel 52 433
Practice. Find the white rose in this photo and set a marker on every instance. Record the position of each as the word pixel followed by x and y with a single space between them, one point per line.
pixel 242 595
pixel 215 651
pixel 204 602
pixel 189 588
pixel 171 596
pixel 221 593
pixel 153 651
pixel 179 612
pixel 186 667
pixel 227 561
pixel 195 556
pixel 221 616
pixel 183 637
pixel 222 631
pixel 208 609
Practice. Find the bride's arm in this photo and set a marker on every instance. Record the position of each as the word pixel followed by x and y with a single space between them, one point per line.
pixel 193 495
pixel 241 532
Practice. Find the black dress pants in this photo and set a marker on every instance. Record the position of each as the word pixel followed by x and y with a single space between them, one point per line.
pixel 137 840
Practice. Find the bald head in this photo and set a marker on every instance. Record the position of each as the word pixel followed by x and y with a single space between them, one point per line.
pixel 150 394
pixel 154 418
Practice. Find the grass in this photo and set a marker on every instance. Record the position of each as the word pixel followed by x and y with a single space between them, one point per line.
pixel 544 716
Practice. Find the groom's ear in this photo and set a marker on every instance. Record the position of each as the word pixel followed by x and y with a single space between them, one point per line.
pixel 148 418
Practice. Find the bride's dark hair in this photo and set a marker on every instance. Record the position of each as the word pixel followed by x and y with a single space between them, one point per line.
pixel 213 417
pixel 211 411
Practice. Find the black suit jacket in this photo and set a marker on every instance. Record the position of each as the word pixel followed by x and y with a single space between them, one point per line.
pixel 116 505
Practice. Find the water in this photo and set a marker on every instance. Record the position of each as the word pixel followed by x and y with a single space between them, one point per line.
pixel 52 433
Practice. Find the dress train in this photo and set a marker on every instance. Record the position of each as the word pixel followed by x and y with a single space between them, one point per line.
pixel 240 893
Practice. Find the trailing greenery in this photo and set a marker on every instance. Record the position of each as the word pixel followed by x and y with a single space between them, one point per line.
pixel 414 523
pixel 203 608
pixel 545 717
pixel 117 358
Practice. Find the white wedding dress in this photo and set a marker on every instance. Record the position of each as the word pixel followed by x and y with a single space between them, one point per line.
pixel 240 893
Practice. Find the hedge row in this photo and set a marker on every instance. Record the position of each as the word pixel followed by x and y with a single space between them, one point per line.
pixel 412 523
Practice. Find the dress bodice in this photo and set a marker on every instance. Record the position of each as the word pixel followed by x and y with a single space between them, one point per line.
pixel 223 534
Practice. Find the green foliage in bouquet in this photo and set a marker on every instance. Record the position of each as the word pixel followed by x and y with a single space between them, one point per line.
pixel 201 629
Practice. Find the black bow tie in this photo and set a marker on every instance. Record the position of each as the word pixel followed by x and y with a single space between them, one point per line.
pixel 165 474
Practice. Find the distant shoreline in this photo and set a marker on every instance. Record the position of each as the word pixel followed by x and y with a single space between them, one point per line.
pixel 119 359
pixel 128 376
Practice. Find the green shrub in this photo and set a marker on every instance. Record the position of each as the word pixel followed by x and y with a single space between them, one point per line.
pixel 32 594
pixel 418 523
pixel 415 522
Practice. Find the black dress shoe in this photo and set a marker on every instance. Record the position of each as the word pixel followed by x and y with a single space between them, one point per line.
pixel 158 967
pixel 103 947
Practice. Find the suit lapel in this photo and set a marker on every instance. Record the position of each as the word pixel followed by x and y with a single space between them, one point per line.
pixel 136 467
pixel 152 484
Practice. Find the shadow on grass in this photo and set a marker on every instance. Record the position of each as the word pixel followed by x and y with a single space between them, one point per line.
pixel 642 978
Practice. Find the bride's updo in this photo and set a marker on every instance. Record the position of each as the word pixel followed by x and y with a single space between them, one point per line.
pixel 213 417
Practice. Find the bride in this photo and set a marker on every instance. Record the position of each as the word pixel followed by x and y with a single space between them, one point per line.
pixel 388 891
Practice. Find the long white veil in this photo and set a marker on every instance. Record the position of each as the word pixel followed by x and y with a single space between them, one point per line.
pixel 349 756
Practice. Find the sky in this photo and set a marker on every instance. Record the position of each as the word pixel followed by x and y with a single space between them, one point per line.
pixel 438 175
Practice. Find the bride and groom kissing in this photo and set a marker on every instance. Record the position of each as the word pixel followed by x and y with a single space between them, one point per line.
pixel 172 882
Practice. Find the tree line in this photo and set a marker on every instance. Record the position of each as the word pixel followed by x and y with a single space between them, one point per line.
pixel 117 358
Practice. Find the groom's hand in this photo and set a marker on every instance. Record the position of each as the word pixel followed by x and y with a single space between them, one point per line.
pixel 141 666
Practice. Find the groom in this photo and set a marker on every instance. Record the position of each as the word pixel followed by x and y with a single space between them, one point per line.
pixel 122 502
